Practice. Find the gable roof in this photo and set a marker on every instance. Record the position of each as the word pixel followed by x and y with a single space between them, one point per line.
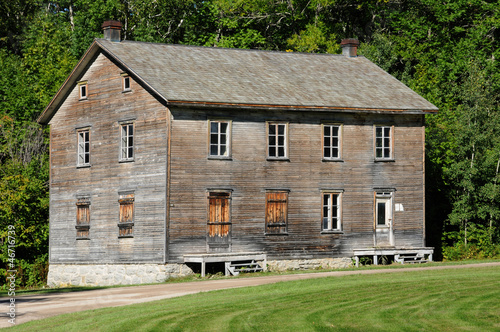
pixel 206 76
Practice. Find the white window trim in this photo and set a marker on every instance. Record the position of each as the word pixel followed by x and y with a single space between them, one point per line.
pixel 391 142
pixel 81 151
pixel 126 157
pixel 387 197
pixel 83 87
pixel 126 77
pixel 229 129
pixel 339 147
pixel 277 146
pixel 339 195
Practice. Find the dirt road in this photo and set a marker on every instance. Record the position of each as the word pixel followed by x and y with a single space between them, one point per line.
pixel 32 307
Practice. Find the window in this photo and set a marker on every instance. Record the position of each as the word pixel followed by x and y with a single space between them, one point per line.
pixel 383 208
pixel 218 215
pixel 126 221
pixel 331 214
pixel 82 218
pixel 331 142
pixel 125 83
pixel 276 212
pixel 383 143
pixel 83 89
pixel 127 142
pixel 83 147
pixel 219 138
pixel 277 141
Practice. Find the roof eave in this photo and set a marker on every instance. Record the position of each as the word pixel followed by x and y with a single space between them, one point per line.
pixel 226 105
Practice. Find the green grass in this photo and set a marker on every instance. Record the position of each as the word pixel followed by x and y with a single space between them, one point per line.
pixel 428 300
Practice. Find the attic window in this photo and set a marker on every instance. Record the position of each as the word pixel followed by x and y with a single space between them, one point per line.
pixel 126 83
pixel 83 89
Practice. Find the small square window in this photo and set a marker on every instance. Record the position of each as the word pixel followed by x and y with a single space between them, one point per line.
pixel 83 90
pixel 127 142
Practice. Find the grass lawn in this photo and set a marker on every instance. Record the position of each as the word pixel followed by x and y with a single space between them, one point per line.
pixel 428 300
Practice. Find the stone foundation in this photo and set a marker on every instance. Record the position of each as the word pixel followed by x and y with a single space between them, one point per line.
pixel 62 275
pixel 309 264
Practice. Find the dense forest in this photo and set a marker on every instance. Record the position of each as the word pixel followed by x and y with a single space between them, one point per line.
pixel 445 50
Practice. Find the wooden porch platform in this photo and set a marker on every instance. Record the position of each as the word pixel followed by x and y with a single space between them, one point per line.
pixel 398 253
pixel 227 258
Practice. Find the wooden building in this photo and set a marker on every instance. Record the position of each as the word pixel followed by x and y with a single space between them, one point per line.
pixel 163 155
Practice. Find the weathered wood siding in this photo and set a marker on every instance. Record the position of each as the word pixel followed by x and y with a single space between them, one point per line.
pixel 249 175
pixel 107 178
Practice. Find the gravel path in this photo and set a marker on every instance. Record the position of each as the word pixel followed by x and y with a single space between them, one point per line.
pixel 32 307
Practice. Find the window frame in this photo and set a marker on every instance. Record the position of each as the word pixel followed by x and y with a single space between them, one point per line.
pixel 339 138
pixel 85 150
pixel 83 90
pixel 125 79
pixel 383 146
pixel 125 148
pixel 281 227
pixel 125 224
pixel 83 211
pixel 228 143
pixel 338 193
pixel 277 146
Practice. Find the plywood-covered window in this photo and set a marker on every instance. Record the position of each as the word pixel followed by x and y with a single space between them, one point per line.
pixel 331 141
pixel 220 139
pixel 83 90
pixel 127 141
pixel 277 140
pixel 219 214
pixel 331 212
pixel 126 220
pixel 384 143
pixel 83 147
pixel 277 212
pixel 82 218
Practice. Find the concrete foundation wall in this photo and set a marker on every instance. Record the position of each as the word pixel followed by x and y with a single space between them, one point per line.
pixel 61 275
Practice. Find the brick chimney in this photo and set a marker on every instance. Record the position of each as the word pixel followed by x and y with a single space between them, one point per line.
pixel 112 30
pixel 350 47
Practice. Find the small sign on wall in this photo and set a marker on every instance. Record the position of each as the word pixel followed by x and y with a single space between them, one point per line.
pixel 399 207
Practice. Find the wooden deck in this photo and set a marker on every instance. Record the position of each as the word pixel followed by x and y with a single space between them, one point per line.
pixel 227 258
pixel 398 253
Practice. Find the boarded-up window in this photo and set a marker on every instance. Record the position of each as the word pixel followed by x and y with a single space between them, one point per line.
pixel 126 222
pixel 276 212
pixel 218 214
pixel 82 218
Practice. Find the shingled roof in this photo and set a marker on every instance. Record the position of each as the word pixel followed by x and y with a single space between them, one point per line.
pixel 222 77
